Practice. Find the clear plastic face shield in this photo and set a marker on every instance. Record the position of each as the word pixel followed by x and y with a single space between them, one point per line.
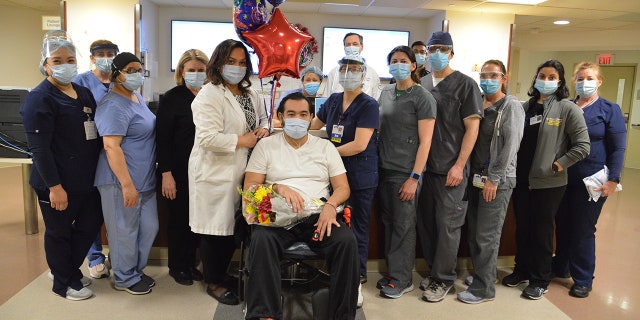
pixel 350 74
pixel 52 44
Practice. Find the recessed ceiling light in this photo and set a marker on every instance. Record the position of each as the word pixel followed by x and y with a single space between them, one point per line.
pixel 561 22
pixel 528 2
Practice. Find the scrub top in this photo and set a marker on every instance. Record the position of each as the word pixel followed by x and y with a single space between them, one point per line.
pixel 119 116
pixel 363 112
pixel 89 80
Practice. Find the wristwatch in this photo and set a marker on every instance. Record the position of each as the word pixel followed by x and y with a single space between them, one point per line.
pixel 415 176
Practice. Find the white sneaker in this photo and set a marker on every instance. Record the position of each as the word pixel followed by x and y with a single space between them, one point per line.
pixel 99 271
pixel 85 281
pixel 77 295
pixel 360 297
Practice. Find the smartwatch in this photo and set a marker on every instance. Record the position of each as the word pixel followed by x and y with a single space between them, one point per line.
pixel 415 176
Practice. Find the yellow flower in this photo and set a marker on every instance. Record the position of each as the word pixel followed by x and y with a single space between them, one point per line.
pixel 260 193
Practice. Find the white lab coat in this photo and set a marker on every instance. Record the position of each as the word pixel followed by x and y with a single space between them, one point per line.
pixel 216 167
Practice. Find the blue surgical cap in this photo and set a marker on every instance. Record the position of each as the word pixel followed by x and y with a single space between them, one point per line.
pixel 311 69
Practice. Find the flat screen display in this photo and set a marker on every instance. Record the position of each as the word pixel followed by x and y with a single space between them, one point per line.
pixel 202 35
pixel 377 45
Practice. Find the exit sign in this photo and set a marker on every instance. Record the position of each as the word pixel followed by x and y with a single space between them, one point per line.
pixel 605 59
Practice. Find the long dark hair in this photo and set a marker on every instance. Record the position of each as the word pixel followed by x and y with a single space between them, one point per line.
pixel 561 93
pixel 219 59
pixel 412 56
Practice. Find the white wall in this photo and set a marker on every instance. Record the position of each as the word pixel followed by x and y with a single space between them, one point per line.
pixel 21 44
pixel 420 29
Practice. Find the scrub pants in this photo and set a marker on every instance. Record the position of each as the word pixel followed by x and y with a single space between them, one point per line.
pixel 484 224
pixel 360 202
pixel 265 285
pixel 399 219
pixel 535 210
pixel 68 235
pixel 575 235
pixel 130 231
pixel 95 256
pixel 440 218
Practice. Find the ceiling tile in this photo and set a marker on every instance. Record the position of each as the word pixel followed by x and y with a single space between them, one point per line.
pixel 387 12
pixel 341 9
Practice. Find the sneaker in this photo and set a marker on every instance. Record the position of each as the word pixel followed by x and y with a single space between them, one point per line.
pixel 363 279
pixel 579 291
pixel 148 280
pixel 513 280
pixel 383 282
pixel 137 289
pixel 85 281
pixel 99 271
pixel 424 284
pixel 77 295
pixel 395 290
pixel 360 297
pixel 436 291
pixel 468 281
pixel 533 292
pixel 468 297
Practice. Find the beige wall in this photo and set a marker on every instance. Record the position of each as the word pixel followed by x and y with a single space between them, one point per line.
pixel 21 44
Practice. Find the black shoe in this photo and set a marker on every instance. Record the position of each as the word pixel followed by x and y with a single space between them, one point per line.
pixel 533 292
pixel 227 297
pixel 363 279
pixel 513 280
pixel 148 280
pixel 196 275
pixel 579 291
pixel 137 289
pixel 181 277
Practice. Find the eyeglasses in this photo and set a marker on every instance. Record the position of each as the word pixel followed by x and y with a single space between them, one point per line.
pixel 132 71
pixel 441 48
pixel 491 75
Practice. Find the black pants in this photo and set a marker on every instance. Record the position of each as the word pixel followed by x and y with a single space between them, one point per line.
pixel 264 285
pixel 68 236
pixel 182 242
pixel 216 253
pixel 535 212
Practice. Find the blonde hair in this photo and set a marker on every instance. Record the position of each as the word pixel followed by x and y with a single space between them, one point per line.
pixel 587 65
pixel 191 54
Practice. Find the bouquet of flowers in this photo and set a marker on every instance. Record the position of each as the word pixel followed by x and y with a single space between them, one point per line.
pixel 261 205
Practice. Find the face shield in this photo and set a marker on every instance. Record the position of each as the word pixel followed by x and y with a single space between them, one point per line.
pixel 351 73
pixel 52 42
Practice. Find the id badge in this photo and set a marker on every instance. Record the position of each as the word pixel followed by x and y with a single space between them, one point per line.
pixel 478 181
pixel 336 133
pixel 535 120
pixel 90 130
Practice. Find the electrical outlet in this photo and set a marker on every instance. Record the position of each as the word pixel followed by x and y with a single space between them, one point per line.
pixel 475 68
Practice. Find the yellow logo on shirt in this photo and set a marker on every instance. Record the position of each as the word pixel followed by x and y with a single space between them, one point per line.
pixel 554 122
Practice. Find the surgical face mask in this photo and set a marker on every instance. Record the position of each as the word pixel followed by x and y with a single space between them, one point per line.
pixel 352 51
pixel 586 88
pixel 233 74
pixel 296 128
pixel 546 87
pixel 400 71
pixel 64 73
pixel 194 80
pixel 421 59
pixel 350 80
pixel 438 60
pixel 311 87
pixel 489 86
pixel 134 81
pixel 104 64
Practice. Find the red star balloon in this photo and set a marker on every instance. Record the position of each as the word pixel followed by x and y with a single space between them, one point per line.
pixel 278 46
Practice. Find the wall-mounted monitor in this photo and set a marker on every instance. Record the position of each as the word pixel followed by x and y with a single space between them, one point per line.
pixel 377 45
pixel 203 35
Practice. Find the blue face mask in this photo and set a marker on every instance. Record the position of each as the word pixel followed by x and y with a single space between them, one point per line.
pixel 421 59
pixel 134 81
pixel 295 128
pixel 350 81
pixel 400 71
pixel 438 60
pixel 489 86
pixel 233 74
pixel 64 73
pixel 352 51
pixel 311 87
pixel 194 80
pixel 104 64
pixel 546 88
pixel 586 88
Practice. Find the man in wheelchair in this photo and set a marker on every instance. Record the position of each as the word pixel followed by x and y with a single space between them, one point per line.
pixel 300 167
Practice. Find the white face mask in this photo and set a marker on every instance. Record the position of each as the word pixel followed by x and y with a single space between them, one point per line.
pixel 296 128
pixel 104 64
pixel 233 74
pixel 134 81
pixel 64 73
pixel 586 88
pixel 351 80
pixel 352 51
pixel 194 80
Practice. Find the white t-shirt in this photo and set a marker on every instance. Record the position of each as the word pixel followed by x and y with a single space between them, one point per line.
pixel 307 169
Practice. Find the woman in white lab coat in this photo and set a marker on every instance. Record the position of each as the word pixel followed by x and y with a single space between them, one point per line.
pixel 229 119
